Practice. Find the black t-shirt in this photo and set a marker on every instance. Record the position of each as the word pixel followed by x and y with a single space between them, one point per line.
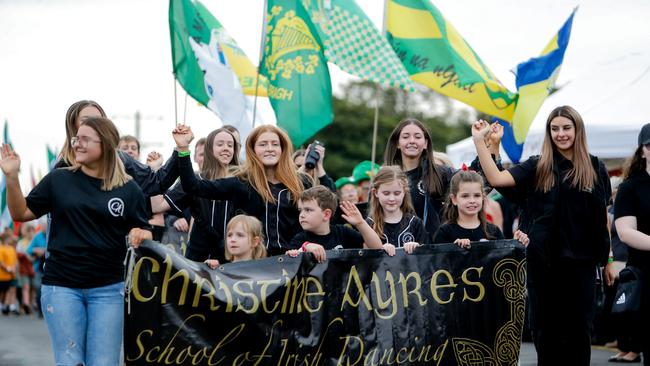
pixel 448 233
pixel 410 228
pixel 87 240
pixel 565 222
pixel 633 199
pixel 428 206
pixel 339 237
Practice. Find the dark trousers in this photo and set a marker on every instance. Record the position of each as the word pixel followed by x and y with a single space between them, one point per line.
pixel 561 300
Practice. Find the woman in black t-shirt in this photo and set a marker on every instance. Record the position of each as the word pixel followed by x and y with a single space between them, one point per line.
pixel 94 204
pixel 564 195
pixel 266 186
pixel 632 220
pixel 210 216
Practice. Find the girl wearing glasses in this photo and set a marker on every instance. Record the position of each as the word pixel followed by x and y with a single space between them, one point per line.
pixel 151 182
pixel 94 205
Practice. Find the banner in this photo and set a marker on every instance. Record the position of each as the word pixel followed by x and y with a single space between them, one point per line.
pixel 440 306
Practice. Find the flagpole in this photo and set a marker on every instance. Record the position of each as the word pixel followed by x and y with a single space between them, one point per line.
pixel 185 108
pixel 175 106
pixel 259 63
pixel 377 87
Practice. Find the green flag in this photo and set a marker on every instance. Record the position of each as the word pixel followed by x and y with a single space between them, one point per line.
pixel 354 44
pixel 299 82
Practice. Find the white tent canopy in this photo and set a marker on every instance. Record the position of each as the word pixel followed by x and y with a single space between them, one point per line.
pixel 611 96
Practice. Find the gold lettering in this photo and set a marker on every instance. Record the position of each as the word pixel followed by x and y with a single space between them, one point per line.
pixel 347 299
pixel 415 291
pixel 390 294
pixel 265 284
pixel 201 282
pixel 138 342
pixel 155 266
pixel 319 292
pixel 479 285
pixel 240 303
pixel 343 356
pixel 295 288
pixel 435 286
pixel 168 277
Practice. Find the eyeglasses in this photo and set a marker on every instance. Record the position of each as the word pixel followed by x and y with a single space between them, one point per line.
pixel 82 141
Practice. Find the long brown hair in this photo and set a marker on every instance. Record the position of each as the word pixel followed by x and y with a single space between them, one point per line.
pixel 582 174
pixel 253 227
pixel 285 171
pixel 387 175
pixel 451 211
pixel 635 164
pixel 71 122
pixel 212 168
pixel 111 168
pixel 431 177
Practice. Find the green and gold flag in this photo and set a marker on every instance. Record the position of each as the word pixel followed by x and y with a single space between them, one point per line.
pixel 437 56
pixel 354 44
pixel 299 88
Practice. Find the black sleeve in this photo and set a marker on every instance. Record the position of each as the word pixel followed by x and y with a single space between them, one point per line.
pixel 138 216
pixel 443 235
pixel 219 189
pixel 328 182
pixel 298 239
pixel 603 175
pixel 151 182
pixel 524 173
pixel 177 199
pixel 351 239
pixel 39 200
pixel 626 203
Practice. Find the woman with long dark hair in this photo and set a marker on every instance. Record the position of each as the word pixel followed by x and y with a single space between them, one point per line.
pixel 94 204
pixel 210 217
pixel 266 186
pixel 564 194
pixel 632 220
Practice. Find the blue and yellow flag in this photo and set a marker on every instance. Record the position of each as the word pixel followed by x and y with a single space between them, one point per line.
pixel 437 56
pixel 299 89
pixel 536 77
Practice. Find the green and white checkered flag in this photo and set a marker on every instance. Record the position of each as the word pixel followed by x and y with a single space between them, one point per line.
pixel 354 44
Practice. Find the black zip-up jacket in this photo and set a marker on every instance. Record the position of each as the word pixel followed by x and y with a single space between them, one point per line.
pixel 279 219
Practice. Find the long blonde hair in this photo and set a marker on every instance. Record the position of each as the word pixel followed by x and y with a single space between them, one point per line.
pixel 71 126
pixel 451 211
pixel 386 175
pixel 582 174
pixel 253 228
pixel 112 170
pixel 285 171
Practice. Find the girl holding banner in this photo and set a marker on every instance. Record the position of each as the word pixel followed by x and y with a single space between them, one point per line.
pixel 94 204
pixel 564 193
pixel 210 216
pixel 632 215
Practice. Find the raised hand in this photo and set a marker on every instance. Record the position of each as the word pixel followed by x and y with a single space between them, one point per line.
pixel 10 162
pixel 351 213
pixel 154 160
pixel 496 134
pixel 480 129
pixel 183 136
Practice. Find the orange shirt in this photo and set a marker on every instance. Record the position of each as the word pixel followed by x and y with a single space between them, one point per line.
pixel 8 258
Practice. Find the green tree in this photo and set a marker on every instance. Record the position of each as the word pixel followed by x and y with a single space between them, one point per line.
pixel 349 138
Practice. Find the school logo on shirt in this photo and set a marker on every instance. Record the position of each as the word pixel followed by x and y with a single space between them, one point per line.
pixel 421 188
pixel 116 207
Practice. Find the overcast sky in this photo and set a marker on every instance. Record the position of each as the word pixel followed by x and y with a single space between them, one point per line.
pixel 117 52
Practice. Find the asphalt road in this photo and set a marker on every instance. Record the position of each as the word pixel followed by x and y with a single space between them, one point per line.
pixel 24 342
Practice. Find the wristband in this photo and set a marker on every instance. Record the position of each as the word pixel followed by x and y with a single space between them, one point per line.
pixel 182 154
pixel 610 260
pixel 303 248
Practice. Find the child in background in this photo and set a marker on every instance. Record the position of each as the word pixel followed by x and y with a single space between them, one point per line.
pixel 8 266
pixel 317 205
pixel 244 239
pixel 464 214
pixel 391 213
pixel 346 189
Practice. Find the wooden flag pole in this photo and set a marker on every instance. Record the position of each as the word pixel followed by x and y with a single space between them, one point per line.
pixel 377 89
pixel 259 63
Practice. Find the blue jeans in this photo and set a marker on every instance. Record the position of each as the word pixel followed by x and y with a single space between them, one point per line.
pixel 85 325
